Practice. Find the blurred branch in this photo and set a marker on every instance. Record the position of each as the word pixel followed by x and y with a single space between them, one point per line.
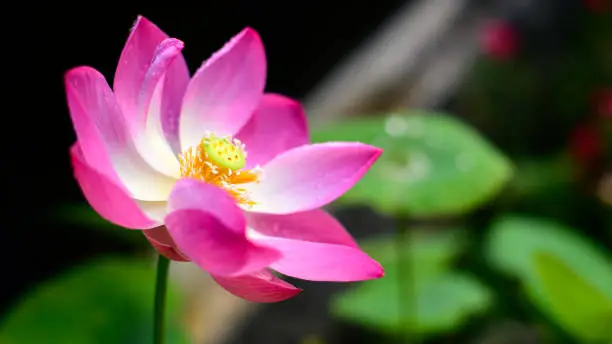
pixel 412 59
pixel 436 77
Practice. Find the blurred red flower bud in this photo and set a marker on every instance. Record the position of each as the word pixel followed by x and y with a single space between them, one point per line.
pixel 585 144
pixel 499 40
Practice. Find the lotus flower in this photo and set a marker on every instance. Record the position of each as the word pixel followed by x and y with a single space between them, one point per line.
pixel 167 154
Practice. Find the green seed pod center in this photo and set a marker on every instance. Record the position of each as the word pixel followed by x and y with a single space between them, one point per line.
pixel 224 153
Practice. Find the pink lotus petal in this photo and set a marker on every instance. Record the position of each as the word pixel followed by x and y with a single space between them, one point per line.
pixel 166 251
pixel 107 199
pixel 277 125
pixel 175 83
pixel 162 242
pixel 135 60
pixel 225 91
pixel 151 142
pixel 311 176
pixel 314 225
pixel 160 235
pixel 314 246
pixel 210 229
pixel 320 261
pixel 258 287
pixel 97 118
pixel 90 146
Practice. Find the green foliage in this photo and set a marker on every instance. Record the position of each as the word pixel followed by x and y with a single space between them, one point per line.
pixel 430 251
pixel 580 308
pixel 432 164
pixel 565 276
pixel 442 299
pixel 103 301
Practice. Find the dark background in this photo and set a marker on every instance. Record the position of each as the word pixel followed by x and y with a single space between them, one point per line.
pixel 41 42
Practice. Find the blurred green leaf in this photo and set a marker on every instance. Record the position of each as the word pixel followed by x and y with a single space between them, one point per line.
pixel 514 244
pixel 432 164
pixel 430 251
pixel 443 301
pixel 104 301
pixel 514 241
pixel 578 307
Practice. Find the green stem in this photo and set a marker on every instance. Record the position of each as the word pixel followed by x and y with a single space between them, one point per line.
pixel 161 284
pixel 407 298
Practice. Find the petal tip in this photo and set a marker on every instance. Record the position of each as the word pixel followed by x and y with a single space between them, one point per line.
pixel 77 77
pixel 253 36
pixel 377 271
pixel 374 153
pixel 293 293
pixel 371 270
pixel 78 71
pixel 288 293
pixel 249 31
pixel 141 20
pixel 380 273
pixel 377 153
pixel 169 43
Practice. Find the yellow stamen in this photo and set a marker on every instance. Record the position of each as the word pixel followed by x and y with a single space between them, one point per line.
pixel 219 161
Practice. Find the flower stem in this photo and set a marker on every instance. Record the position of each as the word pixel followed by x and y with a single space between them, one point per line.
pixel 161 284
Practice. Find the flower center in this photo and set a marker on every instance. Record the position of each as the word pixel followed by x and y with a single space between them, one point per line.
pixel 220 161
